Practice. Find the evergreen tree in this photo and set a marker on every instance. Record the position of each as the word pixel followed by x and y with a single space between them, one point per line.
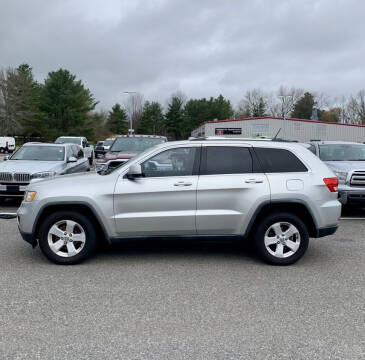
pixel 118 120
pixel 175 117
pixel 65 104
pixel 303 107
pixel 152 120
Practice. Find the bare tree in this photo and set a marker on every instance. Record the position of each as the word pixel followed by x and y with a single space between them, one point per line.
pixel 134 107
pixel 253 104
pixel 356 107
pixel 281 103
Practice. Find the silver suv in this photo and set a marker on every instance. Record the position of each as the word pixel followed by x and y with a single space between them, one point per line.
pixel 274 194
pixel 347 160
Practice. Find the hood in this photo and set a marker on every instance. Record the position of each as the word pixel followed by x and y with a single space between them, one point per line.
pixel 66 179
pixel 345 166
pixel 29 166
pixel 120 155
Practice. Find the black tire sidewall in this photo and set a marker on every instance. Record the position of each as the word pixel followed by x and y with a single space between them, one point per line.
pixel 269 220
pixel 90 243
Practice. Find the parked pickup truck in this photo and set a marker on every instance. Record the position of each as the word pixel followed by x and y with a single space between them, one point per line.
pixel 81 141
pixel 125 147
pixel 347 161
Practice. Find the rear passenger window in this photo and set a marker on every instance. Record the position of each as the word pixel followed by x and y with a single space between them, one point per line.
pixel 226 160
pixel 279 160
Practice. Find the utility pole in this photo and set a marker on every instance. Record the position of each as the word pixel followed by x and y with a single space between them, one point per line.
pixel 130 130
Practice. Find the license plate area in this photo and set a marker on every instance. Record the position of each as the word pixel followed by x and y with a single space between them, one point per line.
pixel 12 188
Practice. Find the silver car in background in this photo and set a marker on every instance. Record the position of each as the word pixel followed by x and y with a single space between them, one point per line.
pixel 347 161
pixel 39 161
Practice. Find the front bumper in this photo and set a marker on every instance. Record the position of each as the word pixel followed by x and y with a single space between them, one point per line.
pixel 28 237
pixel 351 196
pixel 12 190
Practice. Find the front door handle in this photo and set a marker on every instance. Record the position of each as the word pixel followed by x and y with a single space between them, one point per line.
pixel 183 183
pixel 254 181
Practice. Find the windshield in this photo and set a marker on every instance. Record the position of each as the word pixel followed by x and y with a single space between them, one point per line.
pixel 342 152
pixel 108 142
pixel 134 144
pixel 41 153
pixel 136 158
pixel 67 140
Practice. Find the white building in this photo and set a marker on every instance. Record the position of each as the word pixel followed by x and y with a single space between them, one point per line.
pixel 290 129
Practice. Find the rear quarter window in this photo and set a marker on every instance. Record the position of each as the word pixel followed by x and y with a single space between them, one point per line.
pixel 279 160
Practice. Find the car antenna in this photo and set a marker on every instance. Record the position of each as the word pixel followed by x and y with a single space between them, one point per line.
pixel 276 134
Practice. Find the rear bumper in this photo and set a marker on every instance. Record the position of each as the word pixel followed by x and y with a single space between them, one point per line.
pixel 326 231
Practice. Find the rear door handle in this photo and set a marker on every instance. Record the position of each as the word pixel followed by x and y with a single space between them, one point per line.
pixel 254 181
pixel 183 183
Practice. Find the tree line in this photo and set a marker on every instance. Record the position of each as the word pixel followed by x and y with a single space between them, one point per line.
pixel 62 105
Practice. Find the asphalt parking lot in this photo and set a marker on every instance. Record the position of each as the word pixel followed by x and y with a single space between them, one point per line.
pixel 169 300
pixel 184 300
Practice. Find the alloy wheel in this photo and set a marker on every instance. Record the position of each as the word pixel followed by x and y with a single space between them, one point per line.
pixel 282 239
pixel 66 238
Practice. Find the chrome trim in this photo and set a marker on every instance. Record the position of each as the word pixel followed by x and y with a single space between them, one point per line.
pixel 357 178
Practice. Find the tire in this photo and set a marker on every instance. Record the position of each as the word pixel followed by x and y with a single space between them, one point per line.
pixel 276 248
pixel 52 231
pixel 91 159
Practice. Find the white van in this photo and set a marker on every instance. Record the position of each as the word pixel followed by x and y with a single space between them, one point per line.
pixel 7 144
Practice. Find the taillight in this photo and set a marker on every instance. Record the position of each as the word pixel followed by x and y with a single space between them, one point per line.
pixel 332 183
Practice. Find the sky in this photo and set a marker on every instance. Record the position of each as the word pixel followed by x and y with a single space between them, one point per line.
pixel 200 47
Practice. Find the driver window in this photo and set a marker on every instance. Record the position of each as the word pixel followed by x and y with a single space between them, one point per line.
pixel 173 162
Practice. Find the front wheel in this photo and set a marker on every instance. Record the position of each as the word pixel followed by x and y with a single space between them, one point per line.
pixel 67 237
pixel 281 239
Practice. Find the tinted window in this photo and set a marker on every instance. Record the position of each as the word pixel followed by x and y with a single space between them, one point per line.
pixel 279 160
pixel 226 160
pixel 173 162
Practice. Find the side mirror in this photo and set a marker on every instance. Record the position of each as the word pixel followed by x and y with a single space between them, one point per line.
pixel 87 145
pixel 71 159
pixel 6 158
pixel 135 171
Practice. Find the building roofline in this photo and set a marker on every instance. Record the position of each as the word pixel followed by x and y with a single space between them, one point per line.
pixel 279 118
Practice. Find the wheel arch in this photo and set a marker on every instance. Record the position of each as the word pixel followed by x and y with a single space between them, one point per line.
pixel 80 207
pixel 295 207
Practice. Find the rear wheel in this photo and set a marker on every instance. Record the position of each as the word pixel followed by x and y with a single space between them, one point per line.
pixel 67 237
pixel 281 239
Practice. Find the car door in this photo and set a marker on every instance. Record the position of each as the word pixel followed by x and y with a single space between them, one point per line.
pixel 230 187
pixel 163 201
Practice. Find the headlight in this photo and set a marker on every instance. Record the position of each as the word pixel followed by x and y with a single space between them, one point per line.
pixel 342 176
pixel 44 174
pixel 30 196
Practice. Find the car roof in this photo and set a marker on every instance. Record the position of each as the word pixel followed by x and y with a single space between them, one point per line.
pixel 142 136
pixel 231 141
pixel 335 142
pixel 45 144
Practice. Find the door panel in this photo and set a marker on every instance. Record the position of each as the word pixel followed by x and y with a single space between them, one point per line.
pixel 225 203
pixel 164 201
pixel 228 190
pixel 155 206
